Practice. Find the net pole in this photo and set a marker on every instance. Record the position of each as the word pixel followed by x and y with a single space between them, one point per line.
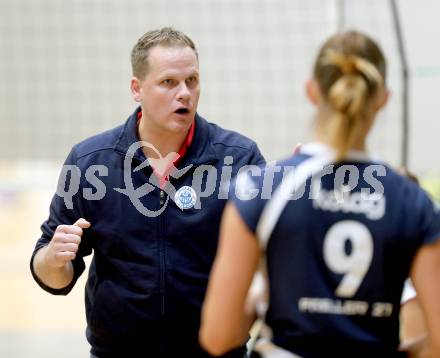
pixel 405 83
pixel 341 14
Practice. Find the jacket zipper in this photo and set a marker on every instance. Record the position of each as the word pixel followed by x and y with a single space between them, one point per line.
pixel 162 255
pixel 162 244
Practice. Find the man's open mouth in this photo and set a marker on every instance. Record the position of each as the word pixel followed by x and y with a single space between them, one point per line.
pixel 182 111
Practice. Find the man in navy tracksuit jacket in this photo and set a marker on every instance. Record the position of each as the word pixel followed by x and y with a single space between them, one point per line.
pixel 151 224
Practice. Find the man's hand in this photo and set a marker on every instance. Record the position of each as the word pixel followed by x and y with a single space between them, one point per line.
pixel 64 244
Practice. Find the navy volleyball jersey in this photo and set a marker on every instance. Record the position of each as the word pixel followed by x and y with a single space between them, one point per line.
pixel 339 243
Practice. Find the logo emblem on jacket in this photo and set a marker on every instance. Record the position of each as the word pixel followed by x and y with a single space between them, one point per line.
pixel 135 194
pixel 185 197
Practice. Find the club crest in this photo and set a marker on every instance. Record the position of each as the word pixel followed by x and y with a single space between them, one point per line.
pixel 185 197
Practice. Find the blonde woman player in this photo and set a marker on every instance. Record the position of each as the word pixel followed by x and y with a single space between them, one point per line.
pixel 338 237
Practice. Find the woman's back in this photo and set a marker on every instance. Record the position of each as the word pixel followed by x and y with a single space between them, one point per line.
pixel 338 254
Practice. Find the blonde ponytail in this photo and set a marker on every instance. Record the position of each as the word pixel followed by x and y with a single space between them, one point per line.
pixel 347 97
pixel 348 80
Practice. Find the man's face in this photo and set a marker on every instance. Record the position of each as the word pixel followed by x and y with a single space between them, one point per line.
pixel 170 91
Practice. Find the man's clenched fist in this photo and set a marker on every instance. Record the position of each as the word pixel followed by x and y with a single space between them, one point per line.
pixel 64 244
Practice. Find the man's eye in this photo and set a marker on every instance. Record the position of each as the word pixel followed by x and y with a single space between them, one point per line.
pixel 191 80
pixel 167 82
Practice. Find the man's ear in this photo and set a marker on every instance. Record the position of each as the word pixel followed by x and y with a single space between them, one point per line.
pixel 135 86
pixel 313 93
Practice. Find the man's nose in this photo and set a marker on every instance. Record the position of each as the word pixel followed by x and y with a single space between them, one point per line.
pixel 183 93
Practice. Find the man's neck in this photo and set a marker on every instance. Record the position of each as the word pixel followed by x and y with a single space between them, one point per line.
pixel 164 142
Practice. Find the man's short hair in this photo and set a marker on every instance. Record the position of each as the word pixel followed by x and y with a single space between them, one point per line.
pixel 166 36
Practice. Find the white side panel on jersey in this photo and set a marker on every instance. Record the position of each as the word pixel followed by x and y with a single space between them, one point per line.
pixel 291 183
pixel 267 349
pixel 409 292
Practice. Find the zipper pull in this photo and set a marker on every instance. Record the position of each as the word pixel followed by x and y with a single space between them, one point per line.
pixel 161 195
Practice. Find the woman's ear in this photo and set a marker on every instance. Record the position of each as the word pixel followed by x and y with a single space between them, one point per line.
pixel 313 93
pixel 383 99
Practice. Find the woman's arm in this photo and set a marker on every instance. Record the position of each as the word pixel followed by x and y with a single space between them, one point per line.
pixel 425 274
pixel 225 325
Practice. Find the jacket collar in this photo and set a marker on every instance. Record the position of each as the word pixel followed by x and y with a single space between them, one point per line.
pixel 201 150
